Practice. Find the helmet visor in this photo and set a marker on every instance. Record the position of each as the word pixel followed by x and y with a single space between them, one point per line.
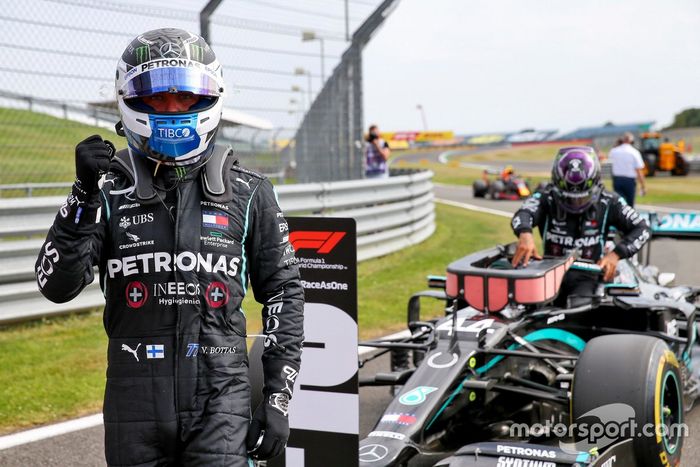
pixel 171 79
pixel 576 201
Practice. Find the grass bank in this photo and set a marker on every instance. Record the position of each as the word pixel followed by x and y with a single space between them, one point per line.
pixel 51 370
pixel 41 148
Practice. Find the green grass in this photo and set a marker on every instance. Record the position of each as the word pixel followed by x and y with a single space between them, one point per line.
pixel 40 148
pixel 448 174
pixel 537 153
pixel 453 174
pixel 55 369
pixel 669 190
pixel 51 370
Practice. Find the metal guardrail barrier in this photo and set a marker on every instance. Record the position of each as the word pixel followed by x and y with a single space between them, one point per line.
pixel 391 214
pixel 29 188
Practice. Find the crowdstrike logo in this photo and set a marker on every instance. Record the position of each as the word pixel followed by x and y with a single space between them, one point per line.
pixel 135 241
pixel 322 242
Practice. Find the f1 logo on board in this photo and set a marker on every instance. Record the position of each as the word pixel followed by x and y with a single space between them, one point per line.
pixel 136 294
pixel 322 242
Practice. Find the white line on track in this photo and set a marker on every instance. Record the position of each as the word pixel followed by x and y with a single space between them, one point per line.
pixel 49 431
pixel 444 158
pixel 473 207
pixel 362 350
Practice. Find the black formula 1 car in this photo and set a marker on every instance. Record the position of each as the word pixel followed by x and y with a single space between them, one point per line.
pixel 506 379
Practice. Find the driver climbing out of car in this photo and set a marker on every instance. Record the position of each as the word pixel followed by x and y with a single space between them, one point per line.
pixel 575 212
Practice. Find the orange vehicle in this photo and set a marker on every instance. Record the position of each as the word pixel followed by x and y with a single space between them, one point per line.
pixel 659 154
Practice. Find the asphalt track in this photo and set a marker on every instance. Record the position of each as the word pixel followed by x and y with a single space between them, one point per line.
pixel 85 448
pixel 520 166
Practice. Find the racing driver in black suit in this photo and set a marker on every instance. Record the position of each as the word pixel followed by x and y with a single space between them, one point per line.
pixel 575 212
pixel 177 230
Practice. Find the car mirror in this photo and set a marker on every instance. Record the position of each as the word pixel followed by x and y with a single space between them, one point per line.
pixel 666 278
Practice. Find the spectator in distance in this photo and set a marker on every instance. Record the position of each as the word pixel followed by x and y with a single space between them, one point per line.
pixel 627 168
pixel 376 155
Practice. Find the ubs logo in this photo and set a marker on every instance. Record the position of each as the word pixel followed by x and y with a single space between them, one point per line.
pixel 126 221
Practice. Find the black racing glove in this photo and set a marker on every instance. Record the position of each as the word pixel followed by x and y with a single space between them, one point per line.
pixel 269 430
pixel 92 156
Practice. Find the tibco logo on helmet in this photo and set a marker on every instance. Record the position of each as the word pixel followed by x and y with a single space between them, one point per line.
pixel 173 132
pixel 576 178
pixel 173 61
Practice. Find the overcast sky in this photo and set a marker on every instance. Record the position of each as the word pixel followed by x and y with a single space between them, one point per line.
pixel 474 65
pixel 491 65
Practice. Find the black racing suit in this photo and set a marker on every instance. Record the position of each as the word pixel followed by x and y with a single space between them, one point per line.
pixel 174 273
pixel 562 232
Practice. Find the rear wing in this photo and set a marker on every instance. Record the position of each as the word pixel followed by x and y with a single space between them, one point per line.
pixel 682 225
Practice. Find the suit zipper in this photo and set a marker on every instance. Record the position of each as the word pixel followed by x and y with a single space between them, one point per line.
pixel 176 350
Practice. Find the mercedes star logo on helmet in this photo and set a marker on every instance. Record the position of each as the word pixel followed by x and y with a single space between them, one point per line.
pixel 373 453
pixel 170 50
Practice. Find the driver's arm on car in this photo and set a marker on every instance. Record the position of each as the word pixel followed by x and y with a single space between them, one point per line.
pixel 525 250
pixel 634 230
pixel 608 264
pixel 524 220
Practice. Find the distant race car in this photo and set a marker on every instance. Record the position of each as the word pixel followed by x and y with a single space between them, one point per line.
pixel 506 185
pixel 494 381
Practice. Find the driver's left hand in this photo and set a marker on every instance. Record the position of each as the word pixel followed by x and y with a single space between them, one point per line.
pixel 609 264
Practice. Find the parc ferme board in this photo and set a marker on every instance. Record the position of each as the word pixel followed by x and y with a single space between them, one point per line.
pixel 324 412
